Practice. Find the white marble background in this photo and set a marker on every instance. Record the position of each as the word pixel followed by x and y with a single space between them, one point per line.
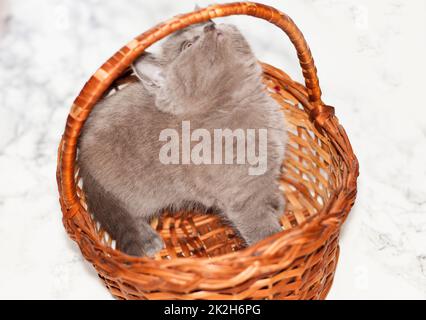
pixel 370 57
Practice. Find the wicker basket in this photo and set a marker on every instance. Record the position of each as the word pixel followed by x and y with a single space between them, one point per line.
pixel 203 258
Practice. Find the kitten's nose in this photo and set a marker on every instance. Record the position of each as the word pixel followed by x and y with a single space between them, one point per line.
pixel 210 27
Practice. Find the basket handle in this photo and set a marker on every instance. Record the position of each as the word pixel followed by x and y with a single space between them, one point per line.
pixel 115 66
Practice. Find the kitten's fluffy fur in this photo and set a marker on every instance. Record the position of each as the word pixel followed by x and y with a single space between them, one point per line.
pixel 206 74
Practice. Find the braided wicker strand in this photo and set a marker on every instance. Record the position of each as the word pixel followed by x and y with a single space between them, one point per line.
pixel 204 258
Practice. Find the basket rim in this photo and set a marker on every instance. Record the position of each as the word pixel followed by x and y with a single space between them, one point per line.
pixel 334 211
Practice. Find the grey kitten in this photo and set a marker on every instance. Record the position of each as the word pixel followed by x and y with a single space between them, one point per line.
pixel 206 74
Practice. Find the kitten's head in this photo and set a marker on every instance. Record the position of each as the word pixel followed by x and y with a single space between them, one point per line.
pixel 199 66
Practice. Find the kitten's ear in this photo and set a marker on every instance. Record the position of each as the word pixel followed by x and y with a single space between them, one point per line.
pixel 149 70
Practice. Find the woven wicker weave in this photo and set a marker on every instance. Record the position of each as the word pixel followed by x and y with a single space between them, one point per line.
pixel 203 258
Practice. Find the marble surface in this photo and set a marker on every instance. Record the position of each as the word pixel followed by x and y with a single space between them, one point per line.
pixel 370 58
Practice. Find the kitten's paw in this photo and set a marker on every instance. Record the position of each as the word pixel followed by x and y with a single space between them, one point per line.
pixel 277 203
pixel 154 246
pixel 144 247
pixel 263 230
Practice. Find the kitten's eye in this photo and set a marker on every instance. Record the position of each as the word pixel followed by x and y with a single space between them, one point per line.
pixel 185 45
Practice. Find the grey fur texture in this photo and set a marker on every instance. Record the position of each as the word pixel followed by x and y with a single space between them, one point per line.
pixel 207 74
